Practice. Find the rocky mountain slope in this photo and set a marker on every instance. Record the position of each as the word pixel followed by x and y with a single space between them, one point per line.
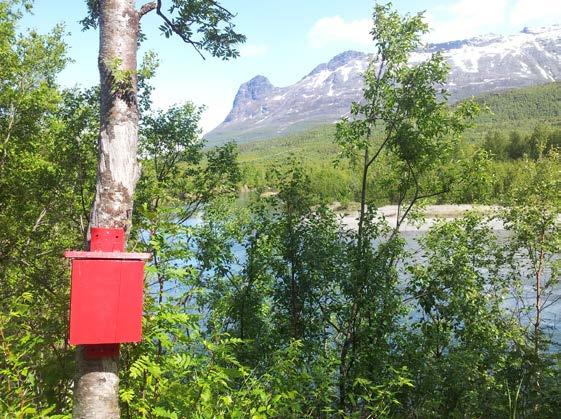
pixel 481 64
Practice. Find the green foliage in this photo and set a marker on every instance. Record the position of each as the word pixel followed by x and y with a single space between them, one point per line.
pixel 533 220
pixel 460 334
pixel 91 20
pixel 497 144
pixel 276 309
pixel 27 386
pixel 123 79
pixel 404 119
pixel 146 71
pixel 45 138
pixel 379 400
pixel 526 107
pixel 178 368
pixel 204 24
pixel 404 113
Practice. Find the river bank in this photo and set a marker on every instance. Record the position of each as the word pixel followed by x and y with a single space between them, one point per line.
pixel 432 214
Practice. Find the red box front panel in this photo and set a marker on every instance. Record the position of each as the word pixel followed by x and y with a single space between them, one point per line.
pixel 106 301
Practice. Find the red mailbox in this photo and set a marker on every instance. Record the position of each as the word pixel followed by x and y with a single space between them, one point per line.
pixel 106 291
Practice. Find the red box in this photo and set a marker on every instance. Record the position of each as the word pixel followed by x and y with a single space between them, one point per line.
pixel 106 297
pixel 106 301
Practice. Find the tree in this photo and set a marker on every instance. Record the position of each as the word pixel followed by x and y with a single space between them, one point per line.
pixel 532 217
pixel 403 114
pixel 518 146
pixel 403 111
pixel 29 184
pixel 496 144
pixel 460 333
pixel 206 26
pixel 47 161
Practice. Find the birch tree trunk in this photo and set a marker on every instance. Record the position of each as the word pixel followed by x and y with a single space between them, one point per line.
pixel 96 384
pixel 118 168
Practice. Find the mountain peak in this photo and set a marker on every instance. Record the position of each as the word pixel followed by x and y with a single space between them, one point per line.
pixel 256 88
pixel 541 29
pixel 251 91
pixel 344 58
pixel 338 61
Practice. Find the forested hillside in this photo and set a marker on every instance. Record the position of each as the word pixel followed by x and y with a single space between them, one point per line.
pixel 528 105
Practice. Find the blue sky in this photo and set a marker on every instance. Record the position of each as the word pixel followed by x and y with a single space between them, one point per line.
pixel 285 40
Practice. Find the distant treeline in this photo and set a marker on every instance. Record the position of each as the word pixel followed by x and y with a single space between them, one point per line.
pixel 501 152
pixel 516 145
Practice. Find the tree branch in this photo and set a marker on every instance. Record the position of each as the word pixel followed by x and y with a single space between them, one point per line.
pixel 433 194
pixel 415 195
pixel 229 13
pixel 389 132
pixel 175 29
pixel 147 8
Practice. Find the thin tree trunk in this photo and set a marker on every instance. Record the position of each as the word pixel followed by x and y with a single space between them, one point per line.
pixel 96 385
pixel 362 212
pixel 537 322
pixel 539 291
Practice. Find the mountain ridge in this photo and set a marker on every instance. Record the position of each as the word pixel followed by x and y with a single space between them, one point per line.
pixel 480 64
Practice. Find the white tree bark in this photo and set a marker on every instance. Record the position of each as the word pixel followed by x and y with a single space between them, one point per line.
pixel 96 387
pixel 96 384
pixel 118 168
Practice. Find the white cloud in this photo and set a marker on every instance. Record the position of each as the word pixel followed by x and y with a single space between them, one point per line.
pixel 466 18
pixel 335 29
pixel 253 50
pixel 535 11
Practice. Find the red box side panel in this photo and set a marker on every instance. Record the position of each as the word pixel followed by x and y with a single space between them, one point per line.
pixel 129 312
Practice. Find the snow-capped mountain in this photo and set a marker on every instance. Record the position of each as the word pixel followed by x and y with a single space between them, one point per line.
pixel 480 64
